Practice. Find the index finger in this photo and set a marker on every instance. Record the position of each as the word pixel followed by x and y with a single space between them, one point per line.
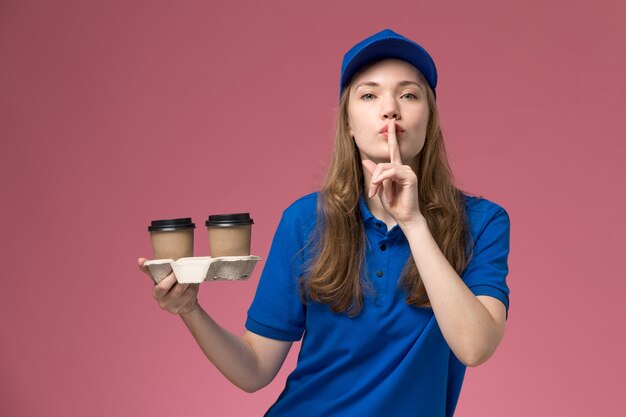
pixel 392 140
pixel 164 286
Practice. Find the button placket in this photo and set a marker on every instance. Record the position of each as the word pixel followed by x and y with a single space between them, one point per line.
pixel 381 273
pixel 379 251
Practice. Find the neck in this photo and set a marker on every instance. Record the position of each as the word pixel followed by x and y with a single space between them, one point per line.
pixel 374 204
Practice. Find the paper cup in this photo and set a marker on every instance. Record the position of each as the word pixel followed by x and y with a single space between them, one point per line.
pixel 229 234
pixel 172 238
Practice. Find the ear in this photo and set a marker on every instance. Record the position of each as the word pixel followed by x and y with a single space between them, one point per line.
pixel 347 119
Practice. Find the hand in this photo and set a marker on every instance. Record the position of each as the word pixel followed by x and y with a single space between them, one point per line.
pixel 395 183
pixel 172 296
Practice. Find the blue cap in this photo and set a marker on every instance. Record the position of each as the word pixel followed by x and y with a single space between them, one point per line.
pixel 383 45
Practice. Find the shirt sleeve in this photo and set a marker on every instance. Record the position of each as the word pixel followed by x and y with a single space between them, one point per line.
pixel 487 270
pixel 277 311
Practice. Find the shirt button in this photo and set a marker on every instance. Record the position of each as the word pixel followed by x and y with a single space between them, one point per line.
pixel 383 247
pixel 379 273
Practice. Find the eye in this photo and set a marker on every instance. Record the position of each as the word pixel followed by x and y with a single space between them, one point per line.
pixel 412 96
pixel 367 95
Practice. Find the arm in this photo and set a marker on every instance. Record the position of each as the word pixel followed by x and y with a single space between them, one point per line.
pixel 472 325
pixel 250 362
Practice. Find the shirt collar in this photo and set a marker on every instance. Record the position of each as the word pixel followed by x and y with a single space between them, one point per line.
pixel 369 219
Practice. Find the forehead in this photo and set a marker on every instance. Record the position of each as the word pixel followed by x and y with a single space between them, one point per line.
pixel 388 69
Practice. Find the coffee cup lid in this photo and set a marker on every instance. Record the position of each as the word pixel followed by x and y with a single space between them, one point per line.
pixel 229 220
pixel 171 224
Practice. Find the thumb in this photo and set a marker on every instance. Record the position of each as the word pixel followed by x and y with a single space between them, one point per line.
pixel 140 264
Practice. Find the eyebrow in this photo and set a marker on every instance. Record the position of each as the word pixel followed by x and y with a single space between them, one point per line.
pixel 401 84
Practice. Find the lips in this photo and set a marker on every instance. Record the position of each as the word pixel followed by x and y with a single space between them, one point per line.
pixel 386 127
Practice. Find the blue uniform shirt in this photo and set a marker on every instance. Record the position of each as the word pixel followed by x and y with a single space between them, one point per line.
pixel 389 360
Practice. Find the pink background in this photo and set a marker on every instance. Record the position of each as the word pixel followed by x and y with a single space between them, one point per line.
pixel 113 113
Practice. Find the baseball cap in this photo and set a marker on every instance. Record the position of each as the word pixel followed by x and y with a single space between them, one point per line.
pixel 387 44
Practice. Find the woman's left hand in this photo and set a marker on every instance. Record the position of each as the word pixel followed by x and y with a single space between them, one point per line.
pixel 395 183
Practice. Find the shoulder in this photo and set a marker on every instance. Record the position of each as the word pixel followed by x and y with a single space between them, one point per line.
pixel 303 205
pixel 482 212
pixel 478 207
pixel 301 214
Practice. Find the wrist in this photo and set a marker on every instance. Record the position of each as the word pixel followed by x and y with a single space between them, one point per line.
pixel 194 308
pixel 418 222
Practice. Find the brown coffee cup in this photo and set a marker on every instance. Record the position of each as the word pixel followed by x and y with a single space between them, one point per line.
pixel 229 234
pixel 172 238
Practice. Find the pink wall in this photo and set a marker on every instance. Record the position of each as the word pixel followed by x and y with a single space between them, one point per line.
pixel 113 113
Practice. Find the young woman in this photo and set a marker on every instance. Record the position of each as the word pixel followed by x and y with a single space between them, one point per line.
pixel 394 279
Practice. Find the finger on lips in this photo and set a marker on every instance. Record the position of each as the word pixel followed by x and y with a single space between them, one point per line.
pixel 394 149
pixel 378 182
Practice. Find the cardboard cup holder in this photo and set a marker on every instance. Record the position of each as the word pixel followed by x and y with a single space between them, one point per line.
pixel 198 269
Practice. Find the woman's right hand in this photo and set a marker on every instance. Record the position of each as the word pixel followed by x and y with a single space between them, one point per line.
pixel 172 296
pixel 250 361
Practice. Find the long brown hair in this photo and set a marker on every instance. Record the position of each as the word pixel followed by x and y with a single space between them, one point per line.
pixel 333 274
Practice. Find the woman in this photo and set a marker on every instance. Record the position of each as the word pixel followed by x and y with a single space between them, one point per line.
pixel 395 279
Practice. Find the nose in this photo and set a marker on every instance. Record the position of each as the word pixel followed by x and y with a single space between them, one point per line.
pixel 391 110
